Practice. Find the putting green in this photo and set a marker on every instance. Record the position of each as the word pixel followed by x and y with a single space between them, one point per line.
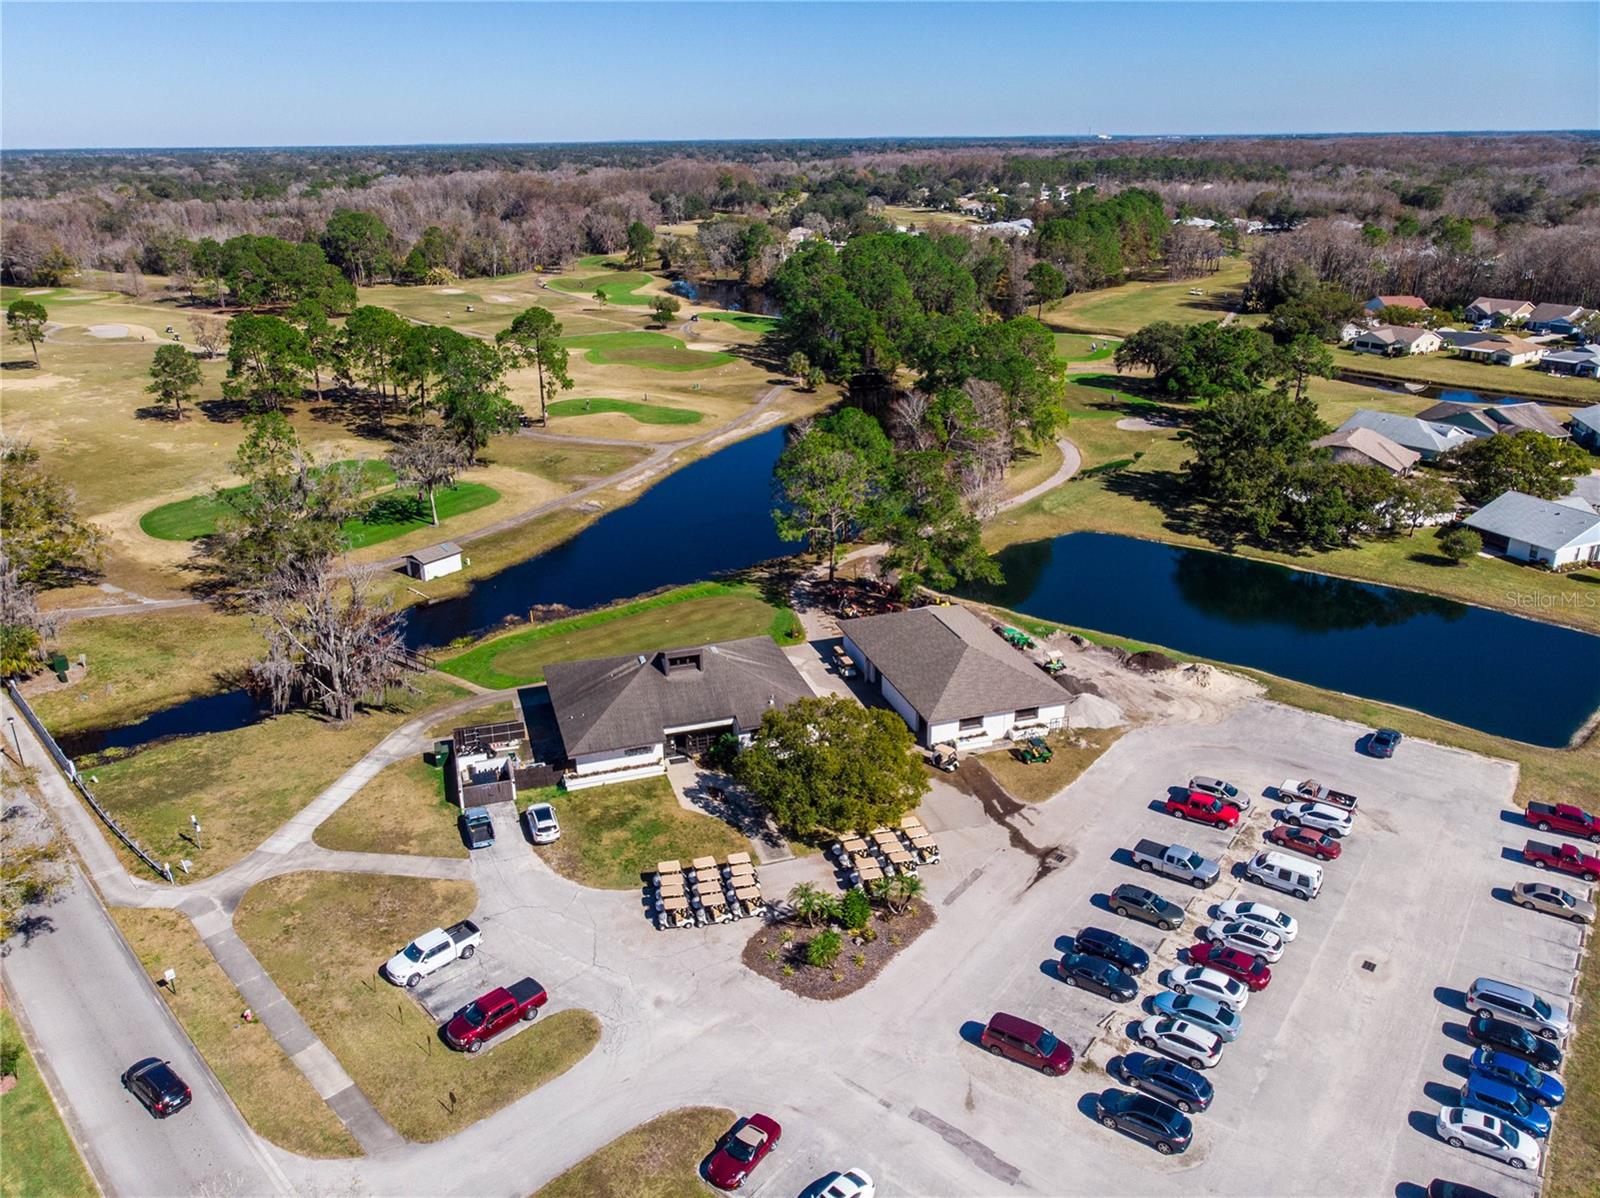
pixel 197 516
pixel 617 288
pixel 644 413
pixel 652 351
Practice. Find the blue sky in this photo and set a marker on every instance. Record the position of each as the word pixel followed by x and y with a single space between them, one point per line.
pixel 77 75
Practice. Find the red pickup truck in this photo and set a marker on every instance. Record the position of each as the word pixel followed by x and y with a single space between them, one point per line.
pixel 487 1016
pixel 1564 857
pixel 1208 809
pixel 1564 817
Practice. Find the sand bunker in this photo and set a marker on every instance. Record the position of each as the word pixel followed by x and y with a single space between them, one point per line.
pixel 39 291
pixel 450 291
pixel 108 331
pixel 1138 424
pixel 503 299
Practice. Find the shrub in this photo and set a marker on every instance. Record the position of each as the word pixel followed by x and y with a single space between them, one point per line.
pixel 724 751
pixel 823 949
pixel 859 960
pixel 10 1053
pixel 1459 543
pixel 856 910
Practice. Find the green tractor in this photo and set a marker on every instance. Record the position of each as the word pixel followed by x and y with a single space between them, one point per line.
pixel 1035 751
pixel 1016 638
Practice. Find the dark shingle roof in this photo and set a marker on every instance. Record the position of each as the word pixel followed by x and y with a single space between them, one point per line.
pixel 624 702
pixel 949 664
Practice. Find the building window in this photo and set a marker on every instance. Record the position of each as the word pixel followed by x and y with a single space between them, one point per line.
pixel 640 751
pixel 687 661
pixel 1027 715
pixel 972 724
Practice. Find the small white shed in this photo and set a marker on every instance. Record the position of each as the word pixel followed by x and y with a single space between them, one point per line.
pixel 434 562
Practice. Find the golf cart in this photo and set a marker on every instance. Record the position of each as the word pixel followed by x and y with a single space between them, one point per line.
pixel 1035 751
pixel 945 757
pixel 1053 662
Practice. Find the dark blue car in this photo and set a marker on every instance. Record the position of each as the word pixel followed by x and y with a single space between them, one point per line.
pixel 1096 974
pixel 1175 1084
pixel 1124 954
pixel 1517 1073
pixel 1383 742
pixel 1505 1103
pixel 1144 1118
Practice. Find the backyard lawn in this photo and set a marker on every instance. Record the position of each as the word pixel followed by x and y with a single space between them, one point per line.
pixel 644 413
pixel 402 810
pixel 40 1159
pixel 1485 378
pixel 384 1038
pixel 613 835
pixel 658 1159
pixel 274 1097
pixel 697 614
pixel 650 351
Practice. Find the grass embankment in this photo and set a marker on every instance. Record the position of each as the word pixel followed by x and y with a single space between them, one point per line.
pixel 383 1038
pixel 611 836
pixel 274 1097
pixel 1129 307
pixel 617 287
pixel 699 614
pixel 1042 780
pixel 1445 370
pixel 644 413
pixel 402 810
pixel 650 351
pixel 243 784
pixel 750 322
pixel 40 1159
pixel 1030 467
pixel 658 1159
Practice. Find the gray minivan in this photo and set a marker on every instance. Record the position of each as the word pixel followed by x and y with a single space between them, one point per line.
pixel 1303 879
pixel 1518 1005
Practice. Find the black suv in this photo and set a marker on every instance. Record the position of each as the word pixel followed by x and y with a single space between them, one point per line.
pixel 1175 1084
pixel 1504 1036
pixel 157 1085
pixel 1135 902
pixel 1125 955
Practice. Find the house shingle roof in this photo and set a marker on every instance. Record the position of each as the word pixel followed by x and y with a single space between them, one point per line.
pixel 1494 306
pixel 1397 334
pixel 1544 312
pixel 1422 436
pixel 625 702
pixel 1495 418
pixel 1588 417
pixel 949 665
pixel 434 553
pixel 1391 455
pixel 1396 301
pixel 1552 525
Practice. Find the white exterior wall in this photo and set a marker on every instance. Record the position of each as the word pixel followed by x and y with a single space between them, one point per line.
pixel 428 571
pixel 899 703
pixel 614 765
pixel 996 727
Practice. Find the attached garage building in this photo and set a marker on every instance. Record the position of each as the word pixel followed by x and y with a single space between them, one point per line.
pixel 951 678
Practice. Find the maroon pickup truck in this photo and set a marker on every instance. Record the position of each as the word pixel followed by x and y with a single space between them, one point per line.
pixel 487 1016
pixel 1563 857
pixel 1564 817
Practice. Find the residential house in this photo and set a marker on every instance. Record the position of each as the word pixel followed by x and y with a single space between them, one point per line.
pixel 951 677
pixel 1379 302
pixel 1485 420
pixel 620 718
pixel 1583 362
pixel 1021 227
pixel 1423 437
pixel 1366 447
pixel 1556 318
pixel 1396 341
pixel 1502 351
pixel 434 562
pixel 1585 426
pixel 1554 533
pixel 1498 311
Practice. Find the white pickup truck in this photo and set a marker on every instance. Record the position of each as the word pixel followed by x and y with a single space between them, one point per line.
pixel 1175 861
pixel 432 951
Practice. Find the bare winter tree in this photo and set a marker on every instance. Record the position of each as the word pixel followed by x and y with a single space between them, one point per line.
pixel 908 421
pixel 428 461
pixel 330 645
pixel 210 333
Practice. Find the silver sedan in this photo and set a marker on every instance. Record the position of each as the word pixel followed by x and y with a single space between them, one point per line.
pixel 1541 896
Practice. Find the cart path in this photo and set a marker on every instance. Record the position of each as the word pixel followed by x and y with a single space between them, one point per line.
pixel 1071 460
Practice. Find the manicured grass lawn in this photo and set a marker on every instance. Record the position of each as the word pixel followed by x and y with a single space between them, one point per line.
pixel 658 1159
pixel 322 938
pixel 1032 466
pixel 1035 783
pixel 274 1096
pixel 402 810
pixel 401 511
pixel 1131 306
pixel 652 351
pixel 611 836
pixel 495 713
pixel 199 515
pixel 245 783
pixel 1074 347
pixel 596 261
pixel 1487 379
pixel 617 288
pixel 697 614
pixel 40 1159
pixel 644 413
pixel 750 322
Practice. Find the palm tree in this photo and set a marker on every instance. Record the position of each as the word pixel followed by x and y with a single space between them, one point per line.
pixel 903 890
pixel 810 904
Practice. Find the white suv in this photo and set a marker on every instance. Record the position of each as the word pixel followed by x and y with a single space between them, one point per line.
pixel 1188 1042
pixel 1518 1005
pixel 1265 946
pixel 542 825
pixel 1334 821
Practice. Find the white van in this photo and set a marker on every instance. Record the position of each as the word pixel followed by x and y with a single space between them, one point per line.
pixel 1303 879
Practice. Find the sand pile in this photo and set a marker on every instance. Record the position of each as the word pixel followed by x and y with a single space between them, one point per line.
pixel 1094 711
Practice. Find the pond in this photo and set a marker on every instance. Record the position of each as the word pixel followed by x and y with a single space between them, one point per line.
pixel 728 294
pixel 1444 394
pixel 1513 677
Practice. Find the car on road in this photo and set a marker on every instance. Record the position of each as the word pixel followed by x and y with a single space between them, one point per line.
pixel 486 1016
pixel 1231 961
pixel 1188 1042
pixel 1136 902
pixel 1171 1081
pixel 1009 1036
pixel 157 1086
pixel 1226 791
pixel 543 827
pixel 1519 1005
pixel 1553 900
pixel 852 1183
pixel 1208 983
pixel 477 828
pixel 1304 840
pixel 1462 1127
pixel 1206 1012
pixel 1203 808
pixel 1319 817
pixel 1514 1071
pixel 1124 954
pixel 1505 1103
pixel 1265 945
pixel 1503 1036
pixel 745 1145
pixel 1249 911
pixel 431 952
pixel 1165 1129
pixel 1383 742
pixel 1098 975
